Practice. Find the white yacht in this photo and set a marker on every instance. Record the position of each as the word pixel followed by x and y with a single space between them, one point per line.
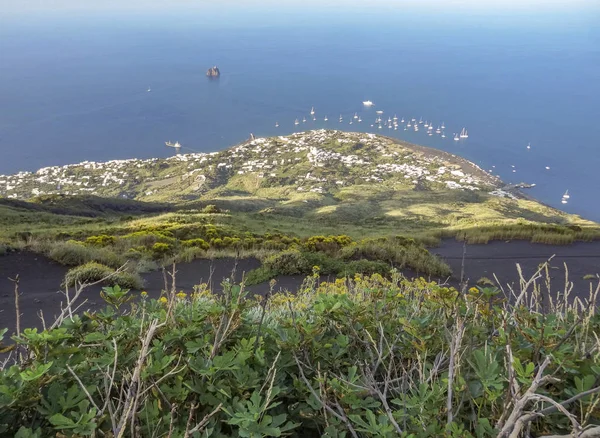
pixel 420 121
pixel 426 124
pixel 175 145
pixel 395 118
pixel 341 118
pixel 464 133
pixel 277 124
pixel 456 138
pixel 438 130
pixel 566 195
pixel 359 120
pixel 408 125
pixel 528 145
pixel 402 121
pixel 356 115
pixel 443 126
pixel 325 118
pixel 379 112
pixel 312 111
pixel 368 103
pixel 303 119
pixel 296 122
pixel 443 135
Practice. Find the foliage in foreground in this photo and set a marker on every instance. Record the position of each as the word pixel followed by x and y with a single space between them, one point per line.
pixel 358 357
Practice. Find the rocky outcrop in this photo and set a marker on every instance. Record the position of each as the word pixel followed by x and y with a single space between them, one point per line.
pixel 213 72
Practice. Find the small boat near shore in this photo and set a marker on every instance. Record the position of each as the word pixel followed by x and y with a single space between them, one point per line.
pixel 175 145
pixel 368 103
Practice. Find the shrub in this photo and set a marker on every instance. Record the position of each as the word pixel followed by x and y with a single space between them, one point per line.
pixel 4 249
pixel 211 209
pixel 161 250
pixel 101 240
pixel 75 254
pixel 288 263
pixel 329 244
pixel 189 254
pixel 195 243
pixel 71 254
pixel 335 347
pixel 91 272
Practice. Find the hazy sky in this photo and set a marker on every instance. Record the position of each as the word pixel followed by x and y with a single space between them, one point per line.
pixel 479 5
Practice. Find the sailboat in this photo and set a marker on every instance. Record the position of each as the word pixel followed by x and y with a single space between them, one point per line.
pixel 566 195
pixel 464 134
pixel 355 115
pixel 359 120
pixel 456 137
pixel 408 125
pixel 426 124
pixel 402 121
pixel 421 121
pixel 149 90
pixel 438 130
pixel 341 118
pixel 312 111
pixel 443 135
pixel 443 126
pixel 277 124
pixel 368 103
pixel 325 118
pixel 395 118
pixel 296 122
pixel 528 145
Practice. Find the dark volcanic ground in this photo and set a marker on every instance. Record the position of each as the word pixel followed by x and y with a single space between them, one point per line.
pixel 40 278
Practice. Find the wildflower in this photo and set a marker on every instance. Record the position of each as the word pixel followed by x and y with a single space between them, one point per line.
pixel 162 300
pixel 474 290
pixel 144 294
pixel 181 295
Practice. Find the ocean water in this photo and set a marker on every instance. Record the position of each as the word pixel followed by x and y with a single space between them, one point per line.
pixel 74 88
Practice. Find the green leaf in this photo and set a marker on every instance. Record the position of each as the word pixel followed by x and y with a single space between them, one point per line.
pixel 59 421
pixel 94 337
pixel 35 373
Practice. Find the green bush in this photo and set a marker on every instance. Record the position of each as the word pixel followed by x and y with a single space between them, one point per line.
pixel 211 209
pixel 161 250
pixel 376 352
pixel 71 254
pixel 195 243
pixel 101 240
pixel 189 254
pixel 92 272
pixel 75 254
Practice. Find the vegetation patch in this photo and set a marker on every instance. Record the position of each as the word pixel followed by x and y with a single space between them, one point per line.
pixel 364 357
pixel 92 272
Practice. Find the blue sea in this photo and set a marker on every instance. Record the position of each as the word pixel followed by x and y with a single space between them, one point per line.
pixel 74 86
